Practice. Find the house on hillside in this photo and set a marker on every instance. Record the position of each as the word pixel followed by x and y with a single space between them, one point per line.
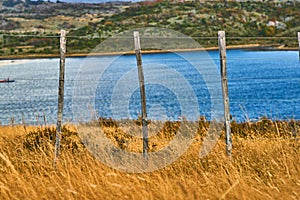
pixel 276 24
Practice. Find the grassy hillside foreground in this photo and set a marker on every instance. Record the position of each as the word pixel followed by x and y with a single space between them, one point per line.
pixel 265 165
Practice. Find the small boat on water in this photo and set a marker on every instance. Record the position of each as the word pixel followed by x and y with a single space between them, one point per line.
pixel 7 80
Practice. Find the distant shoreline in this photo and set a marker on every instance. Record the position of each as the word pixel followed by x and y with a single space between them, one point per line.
pixel 255 47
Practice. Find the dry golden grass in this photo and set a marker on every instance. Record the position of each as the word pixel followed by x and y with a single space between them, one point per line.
pixel 265 165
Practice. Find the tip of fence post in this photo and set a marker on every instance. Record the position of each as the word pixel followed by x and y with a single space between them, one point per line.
pixel 136 36
pixel 62 33
pixel 221 34
pixel 222 44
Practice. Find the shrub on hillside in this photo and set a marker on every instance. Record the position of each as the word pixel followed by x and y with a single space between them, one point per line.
pixel 44 139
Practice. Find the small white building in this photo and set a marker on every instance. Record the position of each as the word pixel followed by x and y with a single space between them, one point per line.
pixel 277 24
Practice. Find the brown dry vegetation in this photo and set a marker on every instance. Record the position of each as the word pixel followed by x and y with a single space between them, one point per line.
pixel 265 165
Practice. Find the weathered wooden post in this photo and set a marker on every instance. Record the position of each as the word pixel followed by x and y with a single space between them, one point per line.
pixel 299 44
pixel 222 49
pixel 60 92
pixel 137 47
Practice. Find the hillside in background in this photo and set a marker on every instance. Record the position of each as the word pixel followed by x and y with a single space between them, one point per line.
pixel 240 20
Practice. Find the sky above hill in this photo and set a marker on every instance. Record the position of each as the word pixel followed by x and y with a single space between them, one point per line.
pixel 94 1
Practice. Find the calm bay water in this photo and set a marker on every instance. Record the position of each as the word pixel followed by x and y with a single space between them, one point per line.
pixel 261 83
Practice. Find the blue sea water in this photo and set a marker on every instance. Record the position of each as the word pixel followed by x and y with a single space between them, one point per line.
pixel 261 83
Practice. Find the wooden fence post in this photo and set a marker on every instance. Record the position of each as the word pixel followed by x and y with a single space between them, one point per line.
pixel 60 93
pixel 222 49
pixel 299 44
pixel 137 47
